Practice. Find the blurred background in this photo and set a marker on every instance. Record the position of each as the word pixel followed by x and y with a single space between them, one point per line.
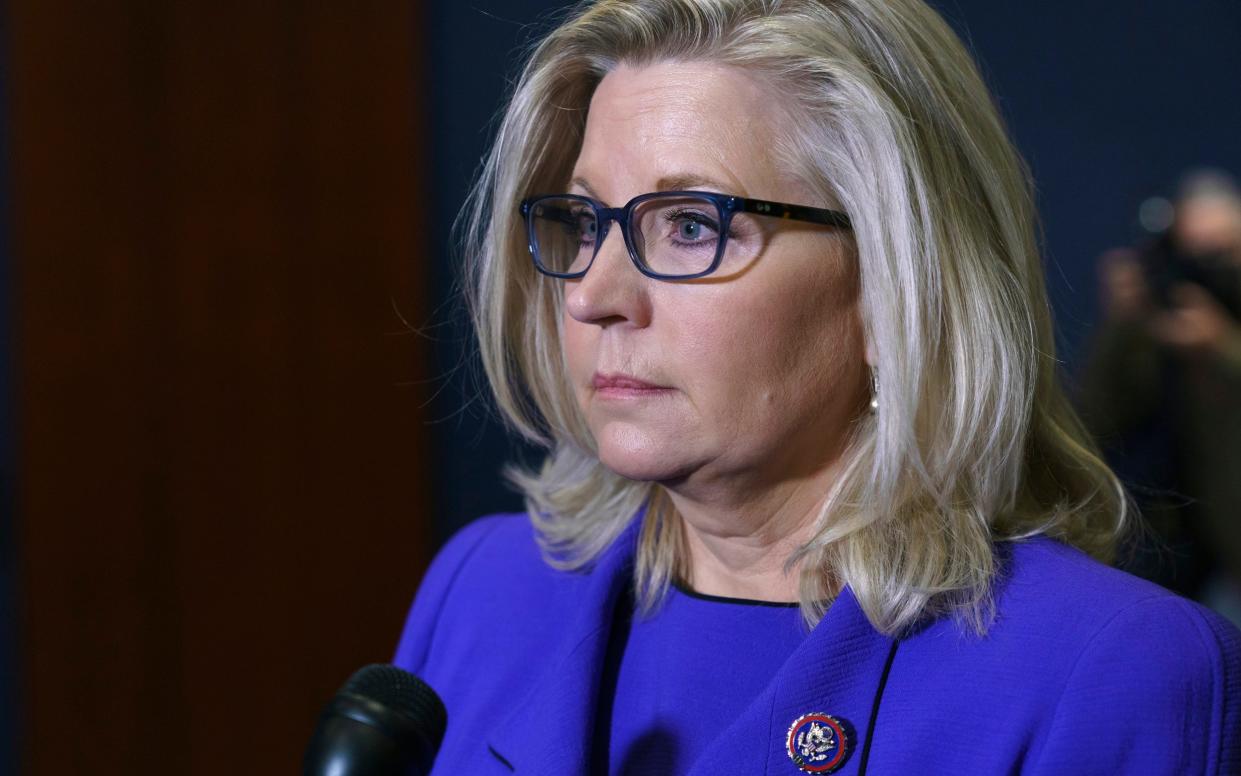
pixel 237 408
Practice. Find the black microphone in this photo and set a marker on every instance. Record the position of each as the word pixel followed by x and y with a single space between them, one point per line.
pixel 383 722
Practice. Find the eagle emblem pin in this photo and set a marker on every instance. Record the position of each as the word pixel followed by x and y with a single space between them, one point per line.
pixel 818 743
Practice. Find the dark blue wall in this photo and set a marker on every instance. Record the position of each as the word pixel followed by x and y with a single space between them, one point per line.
pixel 475 49
pixel 1109 102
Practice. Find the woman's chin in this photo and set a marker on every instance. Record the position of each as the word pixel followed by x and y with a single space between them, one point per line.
pixel 644 460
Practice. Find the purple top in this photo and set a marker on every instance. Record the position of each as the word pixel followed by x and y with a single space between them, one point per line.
pixel 1085 669
pixel 681 674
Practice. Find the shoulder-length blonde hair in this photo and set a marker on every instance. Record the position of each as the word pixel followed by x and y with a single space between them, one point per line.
pixel 973 441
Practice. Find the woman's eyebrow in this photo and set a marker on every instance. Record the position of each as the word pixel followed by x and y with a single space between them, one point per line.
pixel 582 184
pixel 677 182
pixel 687 181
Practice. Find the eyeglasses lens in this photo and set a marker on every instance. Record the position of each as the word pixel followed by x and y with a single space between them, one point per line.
pixel 563 232
pixel 673 236
pixel 677 235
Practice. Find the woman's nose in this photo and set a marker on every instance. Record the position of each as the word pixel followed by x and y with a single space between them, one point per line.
pixel 612 290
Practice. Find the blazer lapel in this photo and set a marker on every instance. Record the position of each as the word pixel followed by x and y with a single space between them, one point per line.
pixel 550 732
pixel 835 671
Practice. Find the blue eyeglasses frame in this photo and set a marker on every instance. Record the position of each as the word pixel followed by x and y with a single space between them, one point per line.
pixel 726 205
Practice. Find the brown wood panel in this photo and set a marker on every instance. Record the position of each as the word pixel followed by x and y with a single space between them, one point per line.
pixel 222 504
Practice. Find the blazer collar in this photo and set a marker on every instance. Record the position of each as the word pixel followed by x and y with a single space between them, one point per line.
pixel 835 671
pixel 551 731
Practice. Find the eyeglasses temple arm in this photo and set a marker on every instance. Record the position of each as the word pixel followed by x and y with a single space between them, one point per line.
pixel 812 215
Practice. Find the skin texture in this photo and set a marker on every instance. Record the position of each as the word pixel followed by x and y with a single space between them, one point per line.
pixel 762 368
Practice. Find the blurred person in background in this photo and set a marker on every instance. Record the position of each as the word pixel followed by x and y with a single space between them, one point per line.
pixel 1162 388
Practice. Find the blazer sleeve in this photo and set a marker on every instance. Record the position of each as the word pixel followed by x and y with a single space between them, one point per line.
pixel 434 592
pixel 1157 690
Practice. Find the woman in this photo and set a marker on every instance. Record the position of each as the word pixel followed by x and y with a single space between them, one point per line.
pixel 762 277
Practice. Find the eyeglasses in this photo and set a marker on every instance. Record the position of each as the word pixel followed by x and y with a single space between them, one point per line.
pixel 671 235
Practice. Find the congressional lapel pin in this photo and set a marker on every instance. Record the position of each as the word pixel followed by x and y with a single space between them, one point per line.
pixel 819 743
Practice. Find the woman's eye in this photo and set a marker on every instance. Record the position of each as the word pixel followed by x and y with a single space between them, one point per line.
pixel 692 227
pixel 690 230
pixel 587 227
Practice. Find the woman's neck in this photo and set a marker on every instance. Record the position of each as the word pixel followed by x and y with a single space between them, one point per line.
pixel 739 547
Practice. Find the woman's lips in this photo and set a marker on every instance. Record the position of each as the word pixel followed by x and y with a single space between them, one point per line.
pixel 619 386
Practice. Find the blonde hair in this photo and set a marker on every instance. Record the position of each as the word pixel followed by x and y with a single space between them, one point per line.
pixel 974 441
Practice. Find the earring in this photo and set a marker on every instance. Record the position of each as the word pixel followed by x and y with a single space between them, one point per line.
pixel 874 390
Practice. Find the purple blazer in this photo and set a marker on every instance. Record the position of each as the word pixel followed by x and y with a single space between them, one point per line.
pixel 1085 670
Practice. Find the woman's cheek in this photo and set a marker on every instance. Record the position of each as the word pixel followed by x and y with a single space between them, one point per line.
pixel 578 353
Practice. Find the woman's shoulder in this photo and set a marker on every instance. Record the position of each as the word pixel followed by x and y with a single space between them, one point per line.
pixel 493 545
pixel 1096 666
pixel 1054 596
pixel 488 581
pixel 1046 583
pixel 1048 588
pixel 1133 654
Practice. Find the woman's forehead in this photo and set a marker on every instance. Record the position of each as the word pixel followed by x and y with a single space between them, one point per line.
pixel 678 123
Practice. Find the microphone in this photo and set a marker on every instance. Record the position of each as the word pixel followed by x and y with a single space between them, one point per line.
pixel 384 722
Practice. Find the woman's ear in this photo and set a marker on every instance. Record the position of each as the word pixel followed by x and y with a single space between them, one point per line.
pixel 872 358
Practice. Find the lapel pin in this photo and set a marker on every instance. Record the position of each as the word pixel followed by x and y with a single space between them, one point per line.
pixel 818 743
